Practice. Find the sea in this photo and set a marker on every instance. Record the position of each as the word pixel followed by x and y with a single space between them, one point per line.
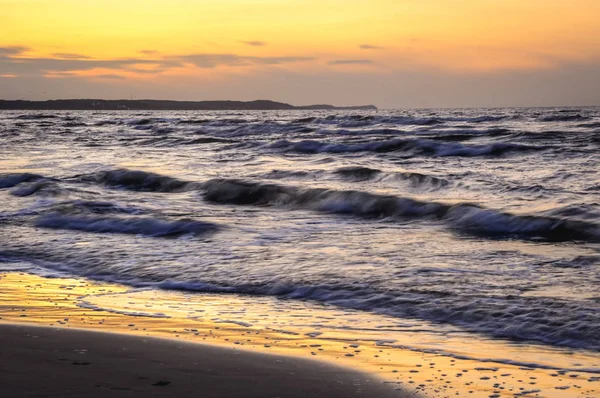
pixel 485 221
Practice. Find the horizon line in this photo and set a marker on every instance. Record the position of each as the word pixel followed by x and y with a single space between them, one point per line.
pixel 300 106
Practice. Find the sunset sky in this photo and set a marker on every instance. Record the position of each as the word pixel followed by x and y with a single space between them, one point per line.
pixel 391 53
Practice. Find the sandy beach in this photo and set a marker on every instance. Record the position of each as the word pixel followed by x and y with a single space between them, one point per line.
pixel 119 340
pixel 48 361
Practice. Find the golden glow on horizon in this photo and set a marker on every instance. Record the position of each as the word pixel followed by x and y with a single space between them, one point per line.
pixel 300 35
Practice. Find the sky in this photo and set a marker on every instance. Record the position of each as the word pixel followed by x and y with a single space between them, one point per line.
pixel 390 53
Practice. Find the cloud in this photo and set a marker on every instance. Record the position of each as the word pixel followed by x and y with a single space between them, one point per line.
pixel 370 47
pixel 255 43
pixel 79 74
pixel 13 61
pixel 109 76
pixel 278 60
pixel 351 62
pixel 70 56
pixel 149 52
pixel 10 51
pixel 569 83
pixel 214 60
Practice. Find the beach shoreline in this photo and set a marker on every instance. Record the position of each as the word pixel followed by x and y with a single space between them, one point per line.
pixel 232 323
pixel 49 361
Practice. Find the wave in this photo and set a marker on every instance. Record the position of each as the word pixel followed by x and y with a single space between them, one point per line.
pixel 262 129
pixel 94 207
pixel 457 135
pixel 415 146
pixel 206 140
pixel 163 130
pixel 140 122
pixel 464 218
pixel 347 202
pixel 360 132
pixel 40 116
pixel 74 124
pixel 193 121
pixel 281 174
pixel 168 141
pixel 563 118
pixel 106 123
pixel 479 221
pixel 138 226
pixel 547 320
pixel 560 323
pixel 304 120
pixel 357 173
pixel 577 262
pixel 11 180
pixel 361 174
pixel 362 120
pixel 45 187
pixel 481 119
pixel 137 180
pixel 581 211
pixel 528 189
pixel 452 137
pixel 418 179
pixel 365 120
pixel 589 125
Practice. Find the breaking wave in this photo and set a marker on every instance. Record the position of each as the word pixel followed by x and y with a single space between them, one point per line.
pixel 138 226
pixel 357 173
pixel 45 187
pixel 11 180
pixel 556 322
pixel 138 181
pixel 464 218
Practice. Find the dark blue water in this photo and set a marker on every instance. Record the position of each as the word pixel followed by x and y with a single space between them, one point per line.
pixel 488 220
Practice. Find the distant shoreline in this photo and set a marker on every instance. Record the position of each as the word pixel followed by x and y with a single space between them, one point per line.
pixel 164 105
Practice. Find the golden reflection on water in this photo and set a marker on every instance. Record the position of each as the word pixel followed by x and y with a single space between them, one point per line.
pixel 398 351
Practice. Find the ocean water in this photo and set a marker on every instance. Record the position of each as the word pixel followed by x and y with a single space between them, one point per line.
pixel 482 220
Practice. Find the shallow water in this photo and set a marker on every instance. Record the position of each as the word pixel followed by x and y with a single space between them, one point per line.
pixel 482 221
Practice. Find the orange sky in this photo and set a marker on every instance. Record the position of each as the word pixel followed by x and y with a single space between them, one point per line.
pixel 190 49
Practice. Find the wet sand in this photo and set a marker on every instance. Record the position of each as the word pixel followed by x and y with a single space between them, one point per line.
pixel 46 362
pixel 385 349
